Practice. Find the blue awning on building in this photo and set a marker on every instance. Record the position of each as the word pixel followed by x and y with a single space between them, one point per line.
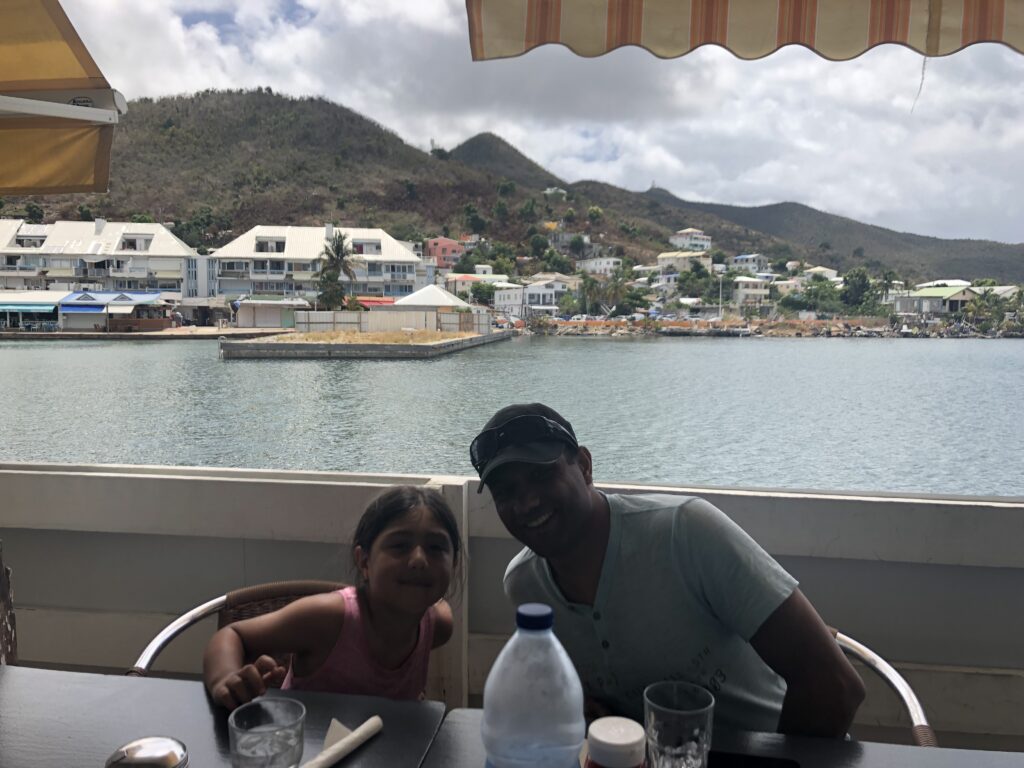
pixel 71 309
pixel 27 307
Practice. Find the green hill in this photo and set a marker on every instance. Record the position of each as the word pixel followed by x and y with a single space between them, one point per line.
pixel 218 162
pixel 494 155
pixel 843 243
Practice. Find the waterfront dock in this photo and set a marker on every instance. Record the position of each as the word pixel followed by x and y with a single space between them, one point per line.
pixel 184 333
pixel 293 350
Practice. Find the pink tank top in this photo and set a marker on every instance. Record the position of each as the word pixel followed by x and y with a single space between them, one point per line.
pixel 351 668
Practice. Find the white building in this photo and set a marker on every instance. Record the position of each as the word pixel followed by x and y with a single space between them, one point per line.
pixel 826 272
pixel 691 239
pixel 571 283
pixel 519 302
pixel 749 291
pixel 786 287
pixel 267 312
pixel 271 260
pixel 599 266
pixel 200 277
pixel 509 300
pixel 463 282
pixel 751 262
pixel 100 254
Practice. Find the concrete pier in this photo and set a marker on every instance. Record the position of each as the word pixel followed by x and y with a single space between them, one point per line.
pixel 289 350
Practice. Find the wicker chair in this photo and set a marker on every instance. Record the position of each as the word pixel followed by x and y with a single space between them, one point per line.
pixel 921 731
pixel 8 629
pixel 240 604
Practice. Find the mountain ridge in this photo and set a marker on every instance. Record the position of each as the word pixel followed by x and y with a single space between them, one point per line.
pixel 219 162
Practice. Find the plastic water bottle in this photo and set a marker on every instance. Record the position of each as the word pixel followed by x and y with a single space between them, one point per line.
pixel 533 700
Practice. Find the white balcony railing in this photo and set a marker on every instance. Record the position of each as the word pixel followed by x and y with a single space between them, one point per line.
pixel 129 272
pixel 21 268
pixel 930 583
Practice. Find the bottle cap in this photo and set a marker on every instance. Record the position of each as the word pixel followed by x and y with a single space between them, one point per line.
pixel 535 616
pixel 616 742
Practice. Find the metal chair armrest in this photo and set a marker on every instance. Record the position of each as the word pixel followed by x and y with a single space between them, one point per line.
pixel 171 631
pixel 921 731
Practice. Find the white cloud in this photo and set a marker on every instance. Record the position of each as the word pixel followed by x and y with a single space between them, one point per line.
pixel 846 137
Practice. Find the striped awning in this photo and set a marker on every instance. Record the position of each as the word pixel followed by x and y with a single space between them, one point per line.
pixel 750 29
pixel 57 111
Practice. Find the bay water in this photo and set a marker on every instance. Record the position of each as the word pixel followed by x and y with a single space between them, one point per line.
pixel 903 415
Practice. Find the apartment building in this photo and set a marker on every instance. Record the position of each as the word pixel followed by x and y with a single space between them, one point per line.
pixel 95 255
pixel 286 261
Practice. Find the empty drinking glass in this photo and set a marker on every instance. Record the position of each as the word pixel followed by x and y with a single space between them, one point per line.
pixel 677 718
pixel 267 733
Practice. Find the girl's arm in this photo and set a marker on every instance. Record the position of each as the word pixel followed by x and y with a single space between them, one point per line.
pixel 307 627
pixel 443 623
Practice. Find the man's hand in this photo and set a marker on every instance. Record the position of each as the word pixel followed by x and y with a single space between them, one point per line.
pixel 247 683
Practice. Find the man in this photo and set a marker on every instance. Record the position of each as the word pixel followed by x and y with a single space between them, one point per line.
pixel 658 587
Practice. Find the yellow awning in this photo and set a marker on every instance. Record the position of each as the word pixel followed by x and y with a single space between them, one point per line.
pixel 835 29
pixel 305 275
pixel 57 111
pixel 120 309
pixel 59 272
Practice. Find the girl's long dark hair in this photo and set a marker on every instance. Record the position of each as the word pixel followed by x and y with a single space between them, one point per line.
pixel 398 501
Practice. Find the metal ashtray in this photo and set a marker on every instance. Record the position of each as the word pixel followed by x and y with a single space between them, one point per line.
pixel 150 750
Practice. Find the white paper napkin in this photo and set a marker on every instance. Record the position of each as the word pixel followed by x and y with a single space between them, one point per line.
pixel 340 741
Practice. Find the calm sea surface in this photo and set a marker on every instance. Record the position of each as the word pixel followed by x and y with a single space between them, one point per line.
pixel 935 416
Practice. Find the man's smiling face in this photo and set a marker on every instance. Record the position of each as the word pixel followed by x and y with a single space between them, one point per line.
pixel 545 506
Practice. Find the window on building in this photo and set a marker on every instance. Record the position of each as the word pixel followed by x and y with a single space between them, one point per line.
pixel 269 245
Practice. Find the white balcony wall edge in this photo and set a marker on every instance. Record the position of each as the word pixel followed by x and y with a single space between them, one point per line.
pixel 104 556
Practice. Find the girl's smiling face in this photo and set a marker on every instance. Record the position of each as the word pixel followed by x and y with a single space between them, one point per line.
pixel 409 565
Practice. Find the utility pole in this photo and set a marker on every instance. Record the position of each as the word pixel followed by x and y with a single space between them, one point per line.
pixel 720 297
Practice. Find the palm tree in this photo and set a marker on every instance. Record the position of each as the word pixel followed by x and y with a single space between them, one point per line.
pixel 986 309
pixel 338 260
pixel 889 278
pixel 339 257
pixel 615 289
pixel 590 291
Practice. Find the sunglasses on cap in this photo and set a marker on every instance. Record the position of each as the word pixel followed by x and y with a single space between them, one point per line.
pixel 530 428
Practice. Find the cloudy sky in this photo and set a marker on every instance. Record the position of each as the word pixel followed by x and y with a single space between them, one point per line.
pixel 842 137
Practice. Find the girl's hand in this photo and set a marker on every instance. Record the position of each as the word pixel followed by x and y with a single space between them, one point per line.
pixel 247 683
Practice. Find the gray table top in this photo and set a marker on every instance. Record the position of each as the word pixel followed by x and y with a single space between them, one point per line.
pixel 458 745
pixel 53 719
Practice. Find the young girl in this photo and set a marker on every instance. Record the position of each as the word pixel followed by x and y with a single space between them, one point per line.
pixel 374 639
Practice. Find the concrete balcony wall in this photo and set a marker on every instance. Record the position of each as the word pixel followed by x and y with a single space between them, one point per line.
pixel 104 556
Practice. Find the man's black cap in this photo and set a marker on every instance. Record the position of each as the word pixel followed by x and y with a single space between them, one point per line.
pixel 526 440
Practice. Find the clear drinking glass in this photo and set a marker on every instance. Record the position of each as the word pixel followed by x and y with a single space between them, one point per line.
pixel 267 733
pixel 677 718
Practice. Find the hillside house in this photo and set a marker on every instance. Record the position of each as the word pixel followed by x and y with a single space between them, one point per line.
pixel 691 239
pixel 443 251
pixel 603 265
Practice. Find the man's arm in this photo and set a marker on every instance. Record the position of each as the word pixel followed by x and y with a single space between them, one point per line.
pixel 823 690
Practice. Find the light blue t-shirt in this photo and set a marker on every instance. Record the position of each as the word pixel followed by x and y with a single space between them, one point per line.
pixel 682 591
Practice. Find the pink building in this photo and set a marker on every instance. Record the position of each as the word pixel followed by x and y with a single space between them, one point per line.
pixel 443 251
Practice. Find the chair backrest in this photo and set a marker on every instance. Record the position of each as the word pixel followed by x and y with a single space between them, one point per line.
pixel 921 731
pixel 239 604
pixel 8 629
